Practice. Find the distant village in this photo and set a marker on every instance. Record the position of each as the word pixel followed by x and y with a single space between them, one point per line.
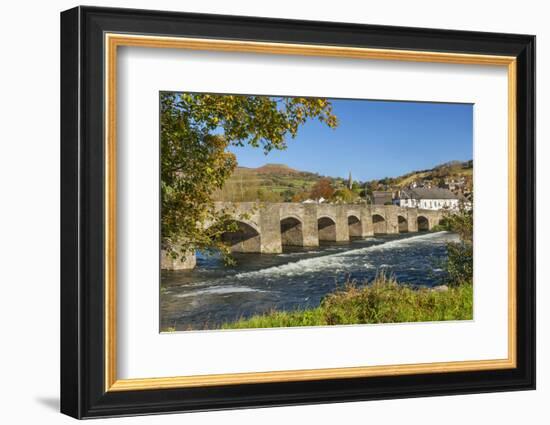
pixel 445 193
pixel 450 194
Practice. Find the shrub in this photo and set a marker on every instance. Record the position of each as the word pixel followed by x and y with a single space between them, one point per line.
pixel 460 262
pixel 386 301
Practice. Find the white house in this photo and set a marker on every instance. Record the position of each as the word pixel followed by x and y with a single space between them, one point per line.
pixel 428 199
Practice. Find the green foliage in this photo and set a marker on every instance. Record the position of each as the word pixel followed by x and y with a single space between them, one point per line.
pixel 344 195
pixel 387 301
pixel 196 130
pixel 300 196
pixel 387 181
pixel 287 195
pixel 382 301
pixel 460 222
pixel 460 261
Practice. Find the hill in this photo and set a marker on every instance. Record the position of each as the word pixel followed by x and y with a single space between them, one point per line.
pixel 270 182
pixel 281 169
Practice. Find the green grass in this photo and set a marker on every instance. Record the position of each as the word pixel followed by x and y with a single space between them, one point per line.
pixel 383 301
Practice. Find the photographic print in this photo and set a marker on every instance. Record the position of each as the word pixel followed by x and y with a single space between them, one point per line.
pixel 282 211
pixel 313 209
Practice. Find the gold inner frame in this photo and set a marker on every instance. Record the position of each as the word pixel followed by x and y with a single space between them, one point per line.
pixel 113 41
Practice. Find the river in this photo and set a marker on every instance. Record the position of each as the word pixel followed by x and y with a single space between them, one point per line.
pixel 298 278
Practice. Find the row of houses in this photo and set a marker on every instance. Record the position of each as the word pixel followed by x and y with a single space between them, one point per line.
pixel 421 197
pixel 418 197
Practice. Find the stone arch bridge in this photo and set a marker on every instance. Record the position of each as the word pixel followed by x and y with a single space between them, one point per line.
pixel 268 227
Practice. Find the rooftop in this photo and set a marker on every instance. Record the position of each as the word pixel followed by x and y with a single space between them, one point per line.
pixel 425 193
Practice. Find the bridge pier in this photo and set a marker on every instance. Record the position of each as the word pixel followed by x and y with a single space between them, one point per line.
pixel 392 222
pixel 167 262
pixel 412 216
pixel 366 222
pixel 342 226
pixel 310 231
pixel 270 229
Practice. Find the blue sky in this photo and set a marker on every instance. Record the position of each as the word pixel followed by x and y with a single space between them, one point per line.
pixel 375 139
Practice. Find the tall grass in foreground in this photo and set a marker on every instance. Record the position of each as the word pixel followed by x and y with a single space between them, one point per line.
pixel 381 301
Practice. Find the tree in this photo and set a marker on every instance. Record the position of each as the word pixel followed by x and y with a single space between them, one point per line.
pixel 300 197
pixel 356 187
pixel 344 195
pixel 460 222
pixel 287 195
pixel 322 189
pixel 196 131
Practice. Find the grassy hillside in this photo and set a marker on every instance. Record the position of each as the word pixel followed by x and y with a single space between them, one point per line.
pixel 448 170
pixel 274 182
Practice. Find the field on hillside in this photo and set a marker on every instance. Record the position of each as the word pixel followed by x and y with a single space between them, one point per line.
pixel 271 182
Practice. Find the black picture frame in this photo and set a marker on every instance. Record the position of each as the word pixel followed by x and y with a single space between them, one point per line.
pixel 83 392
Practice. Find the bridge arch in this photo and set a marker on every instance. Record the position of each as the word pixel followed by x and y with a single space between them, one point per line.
pixel 423 223
pixel 326 227
pixel 292 233
pixel 403 224
pixel 354 225
pixel 245 237
pixel 379 224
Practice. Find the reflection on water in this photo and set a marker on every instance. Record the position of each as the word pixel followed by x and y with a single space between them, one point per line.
pixel 212 293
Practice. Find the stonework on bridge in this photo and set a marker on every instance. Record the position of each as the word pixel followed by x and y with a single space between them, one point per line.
pixel 268 227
